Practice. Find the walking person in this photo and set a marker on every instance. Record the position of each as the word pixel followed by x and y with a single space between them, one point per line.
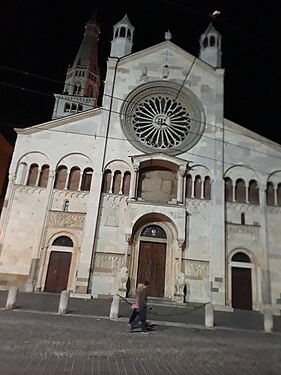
pixel 142 313
pixel 135 306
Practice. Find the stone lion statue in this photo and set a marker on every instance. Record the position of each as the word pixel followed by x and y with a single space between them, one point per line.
pixel 179 284
pixel 123 279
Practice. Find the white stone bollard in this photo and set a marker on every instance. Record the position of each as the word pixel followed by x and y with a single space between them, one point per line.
pixel 114 308
pixel 12 297
pixel 268 318
pixel 64 297
pixel 209 315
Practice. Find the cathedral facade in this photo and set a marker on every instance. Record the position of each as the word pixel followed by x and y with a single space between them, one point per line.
pixel 155 184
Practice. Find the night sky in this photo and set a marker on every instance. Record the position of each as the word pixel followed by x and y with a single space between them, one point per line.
pixel 41 38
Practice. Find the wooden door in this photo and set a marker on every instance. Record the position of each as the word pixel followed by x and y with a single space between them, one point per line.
pixel 58 271
pixel 151 267
pixel 241 288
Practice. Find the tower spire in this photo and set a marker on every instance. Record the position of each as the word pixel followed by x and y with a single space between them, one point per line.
pixel 122 41
pixel 82 83
pixel 210 46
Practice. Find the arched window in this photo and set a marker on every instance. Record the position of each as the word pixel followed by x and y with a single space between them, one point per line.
pixel 212 41
pixel 253 192
pixel 63 241
pixel 207 188
pixel 270 194
pixel 241 257
pixel 188 190
pixel 243 218
pixel 197 187
pixel 87 179
pixel 106 181
pixel 129 35
pixel 32 175
pixel 61 177
pixel 66 206
pixel 240 191
pixel 116 182
pixel 44 175
pixel 67 107
pixel 122 32
pixel 205 42
pixel 153 231
pixel 126 183
pixel 116 33
pixel 279 194
pixel 228 189
pixel 74 178
pixel 21 173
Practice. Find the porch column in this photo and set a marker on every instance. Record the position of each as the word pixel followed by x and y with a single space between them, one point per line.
pixel 180 175
pixel 134 182
pixel 128 248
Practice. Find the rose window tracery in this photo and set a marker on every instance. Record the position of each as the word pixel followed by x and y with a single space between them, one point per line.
pixel 157 117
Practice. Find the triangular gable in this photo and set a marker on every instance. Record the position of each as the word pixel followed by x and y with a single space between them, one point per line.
pixel 162 47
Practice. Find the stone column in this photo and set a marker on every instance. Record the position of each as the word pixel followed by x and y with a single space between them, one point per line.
pixel 134 182
pixel 128 247
pixel 180 175
pixel 12 298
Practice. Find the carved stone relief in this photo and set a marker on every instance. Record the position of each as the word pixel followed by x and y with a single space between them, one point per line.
pixel 66 219
pixel 109 261
pixel 235 229
pixel 196 270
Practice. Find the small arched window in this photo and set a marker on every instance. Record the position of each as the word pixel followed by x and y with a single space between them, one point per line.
pixel 123 32
pixel 207 188
pixel 228 192
pixel 74 178
pixel 243 218
pixel 116 182
pixel 240 191
pixel 21 173
pixel 129 35
pixel 212 41
pixel 188 190
pixel 66 206
pixel 106 181
pixel 63 241
pixel 32 175
pixel 241 257
pixel 197 187
pixel 153 231
pixel 44 175
pixel 61 177
pixel 270 194
pixel 126 183
pixel 87 179
pixel 205 42
pixel 253 192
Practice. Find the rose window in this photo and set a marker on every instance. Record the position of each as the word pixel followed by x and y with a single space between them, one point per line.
pixel 161 118
pixel 161 122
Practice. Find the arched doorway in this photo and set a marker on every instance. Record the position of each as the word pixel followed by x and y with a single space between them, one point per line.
pixel 59 265
pixel 152 259
pixel 241 281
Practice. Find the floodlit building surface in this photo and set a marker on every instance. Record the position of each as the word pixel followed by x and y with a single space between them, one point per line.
pixel 155 184
pixel 6 151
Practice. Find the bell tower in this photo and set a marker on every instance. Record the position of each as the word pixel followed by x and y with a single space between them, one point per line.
pixel 82 83
pixel 210 47
pixel 122 42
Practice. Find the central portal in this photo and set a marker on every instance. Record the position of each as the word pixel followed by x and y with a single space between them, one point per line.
pixel 151 267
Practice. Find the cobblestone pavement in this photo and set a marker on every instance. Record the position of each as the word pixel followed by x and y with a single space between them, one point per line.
pixel 47 343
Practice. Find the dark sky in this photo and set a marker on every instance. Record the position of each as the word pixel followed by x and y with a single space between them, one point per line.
pixel 42 37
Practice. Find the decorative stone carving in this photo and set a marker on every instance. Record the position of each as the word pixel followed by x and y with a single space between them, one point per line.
pixel 238 229
pixel 179 287
pixel 122 281
pixel 144 76
pixel 66 219
pixel 196 270
pixel 109 262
